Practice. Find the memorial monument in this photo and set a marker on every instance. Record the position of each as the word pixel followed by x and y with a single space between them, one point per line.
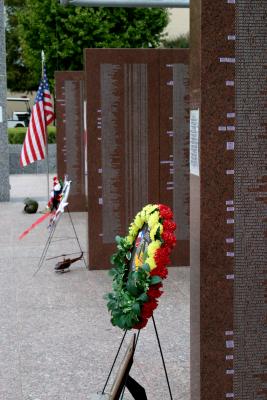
pixel 228 200
pixel 4 152
pixel 71 135
pixel 138 129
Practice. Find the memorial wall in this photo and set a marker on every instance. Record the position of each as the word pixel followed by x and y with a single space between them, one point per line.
pixel 228 201
pixel 138 129
pixel 71 135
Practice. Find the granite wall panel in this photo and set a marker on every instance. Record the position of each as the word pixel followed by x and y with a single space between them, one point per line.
pixel 38 167
pixel 71 135
pixel 132 150
pixel 250 201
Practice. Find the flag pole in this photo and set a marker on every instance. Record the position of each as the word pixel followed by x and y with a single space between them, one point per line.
pixel 46 134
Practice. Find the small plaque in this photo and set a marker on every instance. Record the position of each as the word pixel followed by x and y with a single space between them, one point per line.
pixel 194 139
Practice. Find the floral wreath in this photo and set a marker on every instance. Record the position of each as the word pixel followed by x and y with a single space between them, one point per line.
pixel 136 290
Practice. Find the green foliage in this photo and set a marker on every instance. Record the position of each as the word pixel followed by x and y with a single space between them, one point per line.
pixel 129 288
pixel 63 33
pixel 17 135
pixel 19 76
pixel 181 42
pixel 51 131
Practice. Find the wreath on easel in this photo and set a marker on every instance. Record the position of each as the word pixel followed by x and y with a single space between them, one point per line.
pixel 140 265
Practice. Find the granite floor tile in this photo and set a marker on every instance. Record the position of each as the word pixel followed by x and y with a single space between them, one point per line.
pixel 56 340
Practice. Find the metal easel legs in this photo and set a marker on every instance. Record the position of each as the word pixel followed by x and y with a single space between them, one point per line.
pixel 48 242
pixel 76 236
pixel 134 387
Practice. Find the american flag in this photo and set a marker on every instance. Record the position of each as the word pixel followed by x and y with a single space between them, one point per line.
pixel 34 146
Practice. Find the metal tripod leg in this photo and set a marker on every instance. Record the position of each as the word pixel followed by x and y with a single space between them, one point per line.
pixel 76 236
pixel 42 258
pixel 115 359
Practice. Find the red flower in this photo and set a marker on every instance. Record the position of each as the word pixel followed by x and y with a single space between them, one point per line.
pixel 165 212
pixel 160 271
pixel 169 225
pixel 162 256
pixel 148 308
pixel 162 259
pixel 169 239
pixel 141 324
pixel 154 291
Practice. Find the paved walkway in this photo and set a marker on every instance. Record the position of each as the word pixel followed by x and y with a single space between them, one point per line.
pixel 56 341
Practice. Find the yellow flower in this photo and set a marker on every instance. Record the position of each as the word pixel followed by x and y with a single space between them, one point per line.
pixel 138 221
pixel 148 208
pixel 153 231
pixel 143 215
pixel 133 230
pixel 152 247
pixel 153 219
pixel 151 262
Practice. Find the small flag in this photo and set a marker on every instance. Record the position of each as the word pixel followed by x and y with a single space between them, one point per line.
pixel 34 146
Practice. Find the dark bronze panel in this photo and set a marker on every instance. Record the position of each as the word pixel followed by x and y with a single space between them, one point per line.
pixel 124 151
pixel 71 138
pixel 122 144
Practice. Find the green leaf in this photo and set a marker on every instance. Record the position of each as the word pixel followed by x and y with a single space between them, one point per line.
pixel 117 239
pixel 128 255
pixel 155 279
pixel 132 288
pixel 157 234
pixel 136 309
pixel 143 298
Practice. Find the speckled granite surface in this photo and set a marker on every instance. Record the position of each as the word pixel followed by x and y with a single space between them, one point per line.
pixel 56 339
pixel 4 168
pixel 38 167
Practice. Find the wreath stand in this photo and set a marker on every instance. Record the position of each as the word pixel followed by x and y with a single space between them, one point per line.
pixel 136 390
pixel 49 240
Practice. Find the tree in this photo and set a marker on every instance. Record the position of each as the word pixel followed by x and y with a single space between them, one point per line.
pixel 18 75
pixel 63 33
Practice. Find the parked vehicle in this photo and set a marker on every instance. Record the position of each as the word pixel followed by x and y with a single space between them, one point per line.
pixel 16 119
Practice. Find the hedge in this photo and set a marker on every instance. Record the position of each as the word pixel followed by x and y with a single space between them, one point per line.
pixel 181 41
pixel 16 135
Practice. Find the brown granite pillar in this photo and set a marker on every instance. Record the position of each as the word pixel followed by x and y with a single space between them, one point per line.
pixel 194 80
pixel 211 190
pixel 228 201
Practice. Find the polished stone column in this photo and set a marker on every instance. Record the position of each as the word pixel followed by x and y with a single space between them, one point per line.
pixel 228 200
pixel 4 155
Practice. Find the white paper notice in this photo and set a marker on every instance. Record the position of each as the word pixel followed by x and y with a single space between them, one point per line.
pixel 1 114
pixel 194 139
